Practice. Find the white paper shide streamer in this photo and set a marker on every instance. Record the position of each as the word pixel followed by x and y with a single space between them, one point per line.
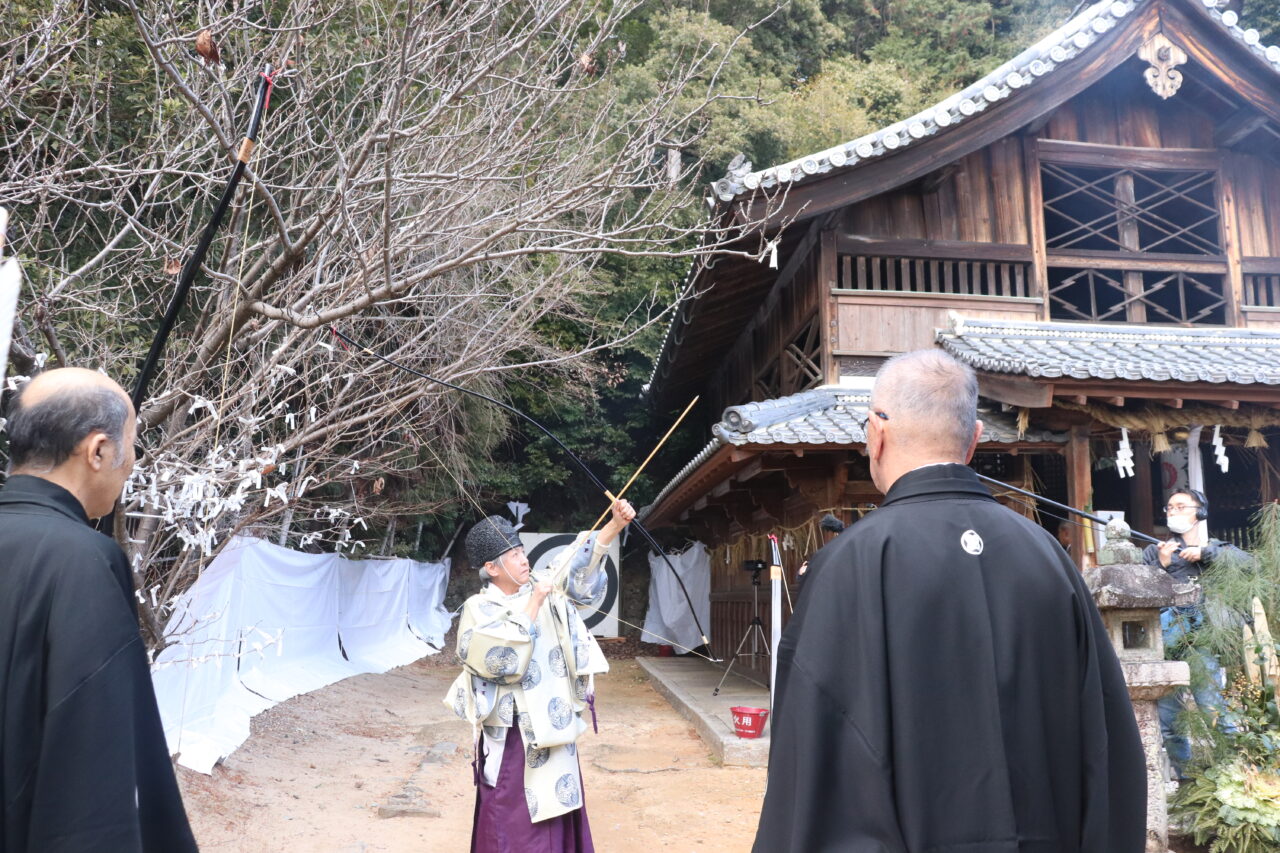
pixel 10 285
pixel 1124 455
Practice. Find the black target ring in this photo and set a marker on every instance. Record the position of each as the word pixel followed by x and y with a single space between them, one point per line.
pixel 545 550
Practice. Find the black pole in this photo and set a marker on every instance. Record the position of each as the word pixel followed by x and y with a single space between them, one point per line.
pixel 1133 534
pixel 192 266
pixel 106 524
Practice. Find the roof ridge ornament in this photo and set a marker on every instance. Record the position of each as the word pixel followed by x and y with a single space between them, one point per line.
pixel 1164 57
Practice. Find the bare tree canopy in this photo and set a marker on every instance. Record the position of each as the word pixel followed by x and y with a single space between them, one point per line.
pixel 439 179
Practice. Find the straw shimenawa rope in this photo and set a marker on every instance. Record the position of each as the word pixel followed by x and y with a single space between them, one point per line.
pixel 1157 420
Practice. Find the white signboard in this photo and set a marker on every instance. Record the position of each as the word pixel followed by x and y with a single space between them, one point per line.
pixel 602 614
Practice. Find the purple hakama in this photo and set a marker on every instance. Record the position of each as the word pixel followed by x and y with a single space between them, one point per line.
pixel 502 823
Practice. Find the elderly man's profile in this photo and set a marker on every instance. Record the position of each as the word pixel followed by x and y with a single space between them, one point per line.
pixel 83 761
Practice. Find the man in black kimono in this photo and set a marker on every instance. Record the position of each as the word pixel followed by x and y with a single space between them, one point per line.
pixel 83 760
pixel 946 684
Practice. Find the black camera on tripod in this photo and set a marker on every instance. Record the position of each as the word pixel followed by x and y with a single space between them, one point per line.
pixel 755 567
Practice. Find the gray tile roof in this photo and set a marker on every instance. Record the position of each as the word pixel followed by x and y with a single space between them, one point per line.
pixel 1115 351
pixel 829 415
pixel 1053 54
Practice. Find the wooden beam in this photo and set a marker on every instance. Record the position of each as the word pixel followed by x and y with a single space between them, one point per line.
pixel 752 469
pixel 1175 403
pixel 1260 266
pixel 828 324
pixel 1237 126
pixel 1022 391
pixel 1138 261
pixel 856 244
pixel 934 180
pixel 1114 401
pixel 1097 154
pixel 1191 392
pixel 1079 399
pixel 1226 404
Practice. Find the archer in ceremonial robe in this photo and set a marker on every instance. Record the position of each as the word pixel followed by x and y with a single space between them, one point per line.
pixel 529 665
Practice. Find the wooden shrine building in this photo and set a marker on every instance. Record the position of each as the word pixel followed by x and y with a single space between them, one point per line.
pixel 1094 227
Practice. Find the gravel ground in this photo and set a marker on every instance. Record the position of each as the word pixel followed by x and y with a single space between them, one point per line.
pixel 377 763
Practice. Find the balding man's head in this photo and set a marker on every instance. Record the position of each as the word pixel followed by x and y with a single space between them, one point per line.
pixel 931 404
pixel 57 410
pixel 74 427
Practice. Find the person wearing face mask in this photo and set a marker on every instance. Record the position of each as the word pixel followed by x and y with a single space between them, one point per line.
pixel 1185 556
pixel 529 666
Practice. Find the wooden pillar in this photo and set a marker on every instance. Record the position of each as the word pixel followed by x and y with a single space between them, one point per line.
pixel 1035 224
pixel 1227 176
pixel 1128 228
pixel 1140 489
pixel 1079 487
pixel 828 282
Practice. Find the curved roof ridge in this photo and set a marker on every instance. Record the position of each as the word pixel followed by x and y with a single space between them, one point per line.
pixel 1058 48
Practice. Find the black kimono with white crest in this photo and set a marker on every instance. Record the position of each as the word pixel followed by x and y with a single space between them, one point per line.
pixel 947 686
pixel 83 760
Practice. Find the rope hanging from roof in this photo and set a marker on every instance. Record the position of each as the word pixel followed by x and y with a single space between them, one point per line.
pixel 1157 420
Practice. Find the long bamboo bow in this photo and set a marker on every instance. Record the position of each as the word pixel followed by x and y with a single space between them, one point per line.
pixel 192 266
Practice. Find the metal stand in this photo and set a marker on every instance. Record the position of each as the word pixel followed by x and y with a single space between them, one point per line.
pixel 754 633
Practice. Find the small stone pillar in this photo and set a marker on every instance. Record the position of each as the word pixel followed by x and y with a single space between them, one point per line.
pixel 1130 596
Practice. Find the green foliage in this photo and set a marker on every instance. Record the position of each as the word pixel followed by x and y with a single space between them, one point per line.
pixel 1263 16
pixel 1234 807
pixel 1233 796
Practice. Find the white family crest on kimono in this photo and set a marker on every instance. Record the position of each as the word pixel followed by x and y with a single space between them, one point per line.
pixel 535 673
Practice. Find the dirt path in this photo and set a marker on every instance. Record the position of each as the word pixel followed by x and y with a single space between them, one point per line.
pixel 319 770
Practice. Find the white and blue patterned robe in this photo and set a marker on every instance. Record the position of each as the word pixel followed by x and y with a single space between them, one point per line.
pixel 534 673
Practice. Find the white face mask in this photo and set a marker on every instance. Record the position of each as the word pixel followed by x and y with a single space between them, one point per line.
pixel 1179 523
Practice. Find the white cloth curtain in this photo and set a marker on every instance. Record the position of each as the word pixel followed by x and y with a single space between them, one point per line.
pixel 265 623
pixel 668 619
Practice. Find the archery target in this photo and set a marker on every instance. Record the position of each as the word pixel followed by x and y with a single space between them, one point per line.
pixel 602 616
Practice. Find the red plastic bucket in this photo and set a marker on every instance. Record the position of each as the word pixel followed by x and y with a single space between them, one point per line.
pixel 748 722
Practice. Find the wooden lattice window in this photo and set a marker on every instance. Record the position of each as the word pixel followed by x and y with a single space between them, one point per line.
pixel 1161 297
pixel 801 361
pixel 1132 235
pixel 1131 210
pixel 797 368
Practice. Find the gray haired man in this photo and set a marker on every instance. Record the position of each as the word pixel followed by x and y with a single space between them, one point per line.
pixel 946 682
pixel 83 760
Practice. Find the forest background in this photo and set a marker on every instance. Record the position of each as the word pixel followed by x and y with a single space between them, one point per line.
pixel 508 195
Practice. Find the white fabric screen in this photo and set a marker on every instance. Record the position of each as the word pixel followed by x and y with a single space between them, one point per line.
pixel 668 618
pixel 264 624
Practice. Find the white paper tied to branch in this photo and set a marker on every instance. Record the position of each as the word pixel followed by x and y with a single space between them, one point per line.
pixel 1220 450
pixel 1124 455
pixel 198 403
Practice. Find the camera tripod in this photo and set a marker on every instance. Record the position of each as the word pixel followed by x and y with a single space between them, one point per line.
pixel 755 632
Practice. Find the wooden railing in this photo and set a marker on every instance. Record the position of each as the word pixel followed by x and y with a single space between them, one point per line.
pixel 1262 282
pixel 935 266
pixel 943 276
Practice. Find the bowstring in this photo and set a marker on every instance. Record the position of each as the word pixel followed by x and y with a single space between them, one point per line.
pixel 462 490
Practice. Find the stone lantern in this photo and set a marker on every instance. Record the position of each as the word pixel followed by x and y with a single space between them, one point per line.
pixel 1130 596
